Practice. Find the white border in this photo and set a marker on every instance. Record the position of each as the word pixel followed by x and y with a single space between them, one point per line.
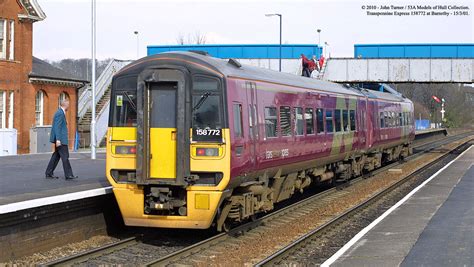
pixel 364 231
pixel 34 203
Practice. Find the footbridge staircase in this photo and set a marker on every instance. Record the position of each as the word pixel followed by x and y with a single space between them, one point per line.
pixel 102 104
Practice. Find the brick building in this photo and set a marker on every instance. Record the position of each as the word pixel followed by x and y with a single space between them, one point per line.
pixel 30 89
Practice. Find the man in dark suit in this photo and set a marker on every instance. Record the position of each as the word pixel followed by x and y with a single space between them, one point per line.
pixel 59 138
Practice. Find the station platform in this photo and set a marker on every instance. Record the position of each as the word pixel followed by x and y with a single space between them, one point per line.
pixel 23 184
pixel 434 226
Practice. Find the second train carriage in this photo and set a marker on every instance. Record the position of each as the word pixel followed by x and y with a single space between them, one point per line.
pixel 195 141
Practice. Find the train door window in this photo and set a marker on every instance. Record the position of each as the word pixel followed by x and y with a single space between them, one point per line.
pixel 345 120
pixel 386 119
pixel 250 110
pixel 271 122
pixel 309 118
pixel 237 109
pixel 285 121
pixel 329 121
pixel 400 119
pixel 299 122
pixel 352 119
pixel 337 120
pixel 320 120
pixel 382 120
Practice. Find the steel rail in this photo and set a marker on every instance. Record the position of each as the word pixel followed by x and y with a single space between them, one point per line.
pixel 89 254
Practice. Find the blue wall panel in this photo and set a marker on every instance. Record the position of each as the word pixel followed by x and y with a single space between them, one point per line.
pixel 242 50
pixel 414 50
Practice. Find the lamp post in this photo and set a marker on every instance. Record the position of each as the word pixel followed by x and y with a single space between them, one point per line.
pixel 326 53
pixel 136 33
pixel 319 42
pixel 279 15
pixel 93 44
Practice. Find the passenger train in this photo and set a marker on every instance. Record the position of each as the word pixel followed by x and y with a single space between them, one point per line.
pixel 199 142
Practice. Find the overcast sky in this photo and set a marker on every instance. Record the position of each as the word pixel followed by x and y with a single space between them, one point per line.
pixel 65 33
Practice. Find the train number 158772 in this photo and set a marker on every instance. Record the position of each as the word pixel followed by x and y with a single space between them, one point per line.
pixel 208 132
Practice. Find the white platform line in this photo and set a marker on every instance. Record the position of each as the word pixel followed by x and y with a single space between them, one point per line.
pixel 364 231
pixel 34 203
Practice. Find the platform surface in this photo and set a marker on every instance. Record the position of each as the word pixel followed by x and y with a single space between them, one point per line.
pixel 22 177
pixel 435 227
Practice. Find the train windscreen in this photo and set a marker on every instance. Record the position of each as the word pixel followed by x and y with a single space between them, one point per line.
pixel 124 102
pixel 206 111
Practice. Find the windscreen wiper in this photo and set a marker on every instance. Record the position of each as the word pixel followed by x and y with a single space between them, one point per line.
pixel 130 101
pixel 201 101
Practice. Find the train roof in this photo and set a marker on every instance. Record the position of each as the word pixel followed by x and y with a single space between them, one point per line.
pixel 232 68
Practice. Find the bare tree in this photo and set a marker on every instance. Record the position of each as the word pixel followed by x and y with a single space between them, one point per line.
pixel 197 38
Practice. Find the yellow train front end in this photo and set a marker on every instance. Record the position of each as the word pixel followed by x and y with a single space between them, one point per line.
pixel 168 170
pixel 202 201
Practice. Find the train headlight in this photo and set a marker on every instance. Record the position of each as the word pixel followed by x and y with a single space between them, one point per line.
pixel 207 152
pixel 127 150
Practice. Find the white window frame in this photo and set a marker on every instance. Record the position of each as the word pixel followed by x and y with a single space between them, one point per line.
pixel 3 53
pixel 11 39
pixel 62 95
pixel 41 108
pixel 2 110
pixel 11 109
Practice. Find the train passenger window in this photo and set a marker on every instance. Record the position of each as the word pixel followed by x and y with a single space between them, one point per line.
pixel 337 120
pixel 320 120
pixel 308 116
pixel 329 121
pixel 386 119
pixel 299 122
pixel 237 109
pixel 345 120
pixel 400 119
pixel 382 120
pixel 285 121
pixel 352 118
pixel 271 122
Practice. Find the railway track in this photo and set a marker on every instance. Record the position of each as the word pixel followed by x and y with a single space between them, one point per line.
pixel 199 252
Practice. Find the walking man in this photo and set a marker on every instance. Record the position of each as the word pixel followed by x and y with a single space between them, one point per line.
pixel 60 140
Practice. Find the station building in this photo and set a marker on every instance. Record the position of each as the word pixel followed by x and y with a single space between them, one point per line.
pixel 259 55
pixel 30 88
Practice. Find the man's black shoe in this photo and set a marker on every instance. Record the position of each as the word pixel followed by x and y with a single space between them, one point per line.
pixel 51 177
pixel 71 177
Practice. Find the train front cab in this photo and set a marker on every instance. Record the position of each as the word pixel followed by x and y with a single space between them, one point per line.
pixel 160 178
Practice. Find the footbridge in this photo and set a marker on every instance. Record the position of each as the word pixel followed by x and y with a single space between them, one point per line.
pixel 397 63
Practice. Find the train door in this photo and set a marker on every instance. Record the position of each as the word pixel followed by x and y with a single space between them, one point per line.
pixel 162 130
pixel 253 125
pixel 163 127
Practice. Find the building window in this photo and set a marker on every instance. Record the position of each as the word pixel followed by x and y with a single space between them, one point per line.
pixel 63 96
pixel 320 120
pixel 299 122
pixel 309 121
pixel 3 39
pixel 329 121
pixel 2 109
pixel 11 105
pixel 39 104
pixel 285 121
pixel 237 108
pixel 337 120
pixel 271 122
pixel 11 41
